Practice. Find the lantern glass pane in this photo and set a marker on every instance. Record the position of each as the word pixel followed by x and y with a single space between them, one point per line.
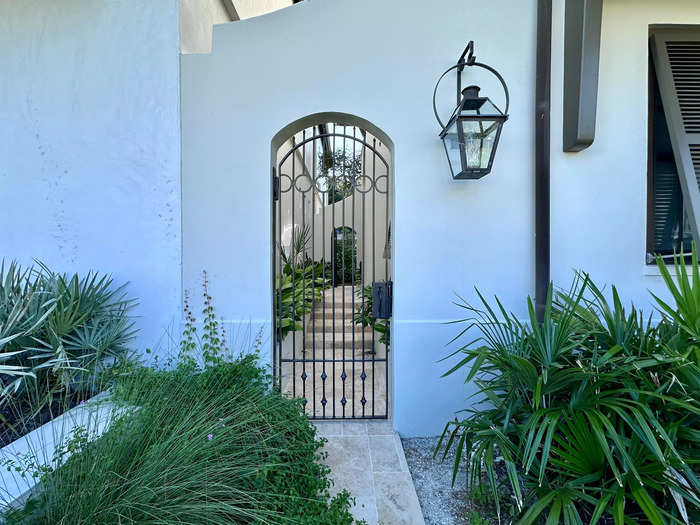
pixel 479 138
pixel 479 107
pixel 451 141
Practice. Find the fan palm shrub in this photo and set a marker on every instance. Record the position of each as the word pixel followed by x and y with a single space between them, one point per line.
pixel 57 332
pixel 593 410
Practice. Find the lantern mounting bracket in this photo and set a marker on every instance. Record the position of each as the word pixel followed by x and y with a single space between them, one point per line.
pixel 467 59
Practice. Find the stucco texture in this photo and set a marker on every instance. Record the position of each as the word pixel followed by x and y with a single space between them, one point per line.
pixel 90 146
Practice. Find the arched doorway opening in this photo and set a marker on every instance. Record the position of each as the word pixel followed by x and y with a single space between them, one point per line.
pixel 332 206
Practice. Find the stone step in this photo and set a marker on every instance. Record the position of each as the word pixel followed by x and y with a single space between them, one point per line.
pixel 338 326
pixel 317 326
pixel 319 335
pixel 348 293
pixel 339 345
pixel 338 313
pixel 329 302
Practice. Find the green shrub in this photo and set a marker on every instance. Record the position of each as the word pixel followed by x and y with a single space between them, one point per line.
pixel 594 410
pixel 297 289
pixel 208 441
pixel 476 519
pixel 341 169
pixel 56 333
pixel 346 269
pixel 216 447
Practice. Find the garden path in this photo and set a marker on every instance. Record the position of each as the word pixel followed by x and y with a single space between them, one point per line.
pixel 367 459
pixel 339 367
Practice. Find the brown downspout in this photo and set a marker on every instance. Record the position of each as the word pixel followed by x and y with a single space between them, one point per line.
pixel 543 82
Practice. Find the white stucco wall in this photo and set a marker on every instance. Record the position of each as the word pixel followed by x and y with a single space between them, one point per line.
pixel 599 195
pixel 90 146
pixel 448 236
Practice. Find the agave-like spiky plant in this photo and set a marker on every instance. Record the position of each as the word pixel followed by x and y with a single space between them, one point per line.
pixel 593 409
pixel 58 326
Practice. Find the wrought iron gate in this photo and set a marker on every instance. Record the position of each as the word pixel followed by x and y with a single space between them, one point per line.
pixel 332 262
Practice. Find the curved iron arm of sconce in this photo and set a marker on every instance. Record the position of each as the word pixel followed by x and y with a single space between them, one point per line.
pixel 467 60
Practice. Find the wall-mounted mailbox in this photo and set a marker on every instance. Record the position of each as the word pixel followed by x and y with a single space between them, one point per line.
pixel 381 299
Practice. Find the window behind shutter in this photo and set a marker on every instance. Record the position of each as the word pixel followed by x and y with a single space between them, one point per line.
pixel 676 54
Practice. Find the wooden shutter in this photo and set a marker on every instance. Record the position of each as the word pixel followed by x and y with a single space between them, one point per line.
pixel 676 54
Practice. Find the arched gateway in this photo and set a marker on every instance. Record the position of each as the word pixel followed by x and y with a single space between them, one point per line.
pixel 332 207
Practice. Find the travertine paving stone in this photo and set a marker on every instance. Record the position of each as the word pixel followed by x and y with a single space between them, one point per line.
pixel 367 459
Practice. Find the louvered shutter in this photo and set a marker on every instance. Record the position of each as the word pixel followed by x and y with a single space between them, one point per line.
pixel 676 54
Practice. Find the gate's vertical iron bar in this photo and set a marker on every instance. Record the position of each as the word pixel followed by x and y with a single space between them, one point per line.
pixel 354 269
pixel 386 228
pixel 303 273
pixel 324 376
pixel 278 260
pixel 363 376
pixel 387 245
pixel 313 268
pixel 335 263
pixel 293 261
pixel 275 334
pixel 343 375
pixel 374 258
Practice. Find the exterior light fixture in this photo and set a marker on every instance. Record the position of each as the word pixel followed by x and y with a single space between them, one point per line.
pixel 471 134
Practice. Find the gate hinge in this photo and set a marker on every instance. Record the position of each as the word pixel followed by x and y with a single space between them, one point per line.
pixel 382 298
pixel 275 186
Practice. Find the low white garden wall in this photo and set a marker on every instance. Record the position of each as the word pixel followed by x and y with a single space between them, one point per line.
pixel 38 448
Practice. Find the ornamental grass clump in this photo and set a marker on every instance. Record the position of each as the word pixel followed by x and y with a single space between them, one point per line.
pixel 212 447
pixel 593 411
pixel 58 334
pixel 204 440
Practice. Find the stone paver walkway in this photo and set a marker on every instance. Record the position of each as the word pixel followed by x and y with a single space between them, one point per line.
pixel 367 459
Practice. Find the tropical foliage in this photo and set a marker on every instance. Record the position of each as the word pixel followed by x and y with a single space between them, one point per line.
pixel 365 316
pixel 300 284
pixel 593 410
pixel 58 330
pixel 342 169
pixel 346 268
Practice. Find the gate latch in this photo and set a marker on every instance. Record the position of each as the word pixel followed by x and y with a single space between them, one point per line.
pixel 275 185
pixel 382 295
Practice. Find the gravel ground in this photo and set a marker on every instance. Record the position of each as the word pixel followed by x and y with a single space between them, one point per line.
pixel 442 504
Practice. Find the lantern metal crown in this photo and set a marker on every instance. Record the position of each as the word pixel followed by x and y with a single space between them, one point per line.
pixel 472 132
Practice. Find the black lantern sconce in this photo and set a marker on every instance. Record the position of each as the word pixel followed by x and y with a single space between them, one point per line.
pixel 471 134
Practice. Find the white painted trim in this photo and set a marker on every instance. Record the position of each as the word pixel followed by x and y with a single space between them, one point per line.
pixel 39 445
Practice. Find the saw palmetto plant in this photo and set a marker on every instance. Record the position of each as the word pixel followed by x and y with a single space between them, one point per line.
pixel 57 330
pixel 593 411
